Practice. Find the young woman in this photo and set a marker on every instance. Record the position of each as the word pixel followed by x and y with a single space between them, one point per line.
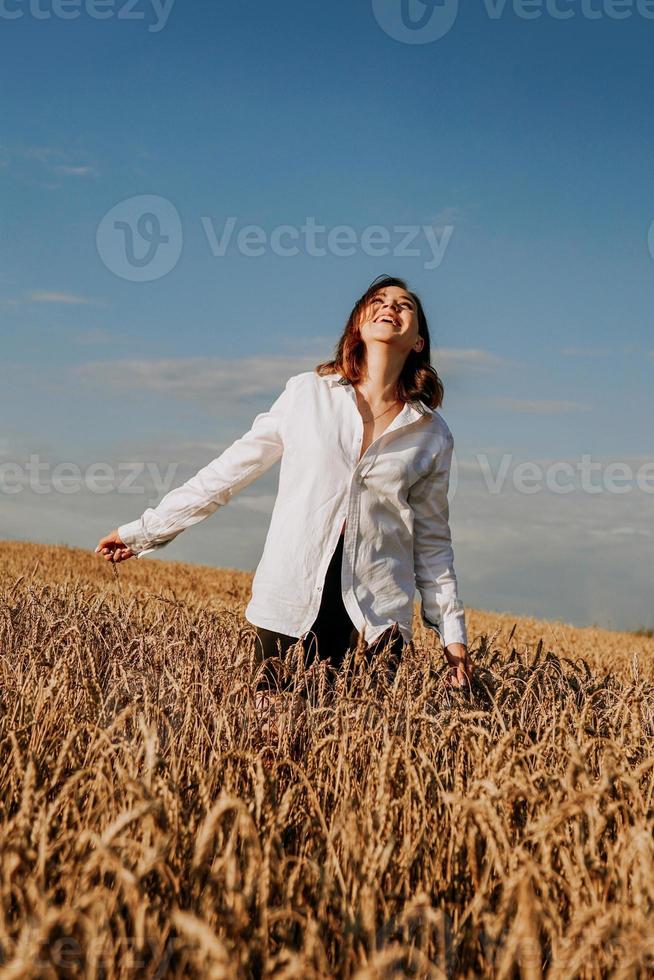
pixel 361 516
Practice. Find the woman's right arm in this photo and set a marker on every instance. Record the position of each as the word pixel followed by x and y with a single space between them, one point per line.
pixel 239 465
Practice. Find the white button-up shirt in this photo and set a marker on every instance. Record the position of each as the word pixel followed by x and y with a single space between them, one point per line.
pixel 393 499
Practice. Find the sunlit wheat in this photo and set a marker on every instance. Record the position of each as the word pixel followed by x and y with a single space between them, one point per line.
pixel 153 825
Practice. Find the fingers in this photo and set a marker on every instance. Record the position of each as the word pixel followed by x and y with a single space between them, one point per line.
pixel 108 540
pixel 115 553
pixel 460 676
pixel 112 548
pixel 110 543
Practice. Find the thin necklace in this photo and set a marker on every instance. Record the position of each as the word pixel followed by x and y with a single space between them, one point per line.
pixel 375 417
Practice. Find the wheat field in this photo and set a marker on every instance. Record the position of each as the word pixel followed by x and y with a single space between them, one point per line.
pixel 150 826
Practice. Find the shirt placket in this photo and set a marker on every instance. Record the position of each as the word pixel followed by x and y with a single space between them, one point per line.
pixel 350 515
pixel 357 481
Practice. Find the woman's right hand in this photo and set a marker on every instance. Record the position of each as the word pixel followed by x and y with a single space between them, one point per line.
pixel 113 549
pixel 461 666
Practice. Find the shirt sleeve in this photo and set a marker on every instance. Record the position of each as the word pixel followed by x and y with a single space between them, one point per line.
pixel 239 465
pixel 441 609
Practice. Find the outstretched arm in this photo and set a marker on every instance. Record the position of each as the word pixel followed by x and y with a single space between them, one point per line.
pixel 214 485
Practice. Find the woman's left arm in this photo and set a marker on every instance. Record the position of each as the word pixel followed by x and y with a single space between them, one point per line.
pixel 213 486
pixel 441 608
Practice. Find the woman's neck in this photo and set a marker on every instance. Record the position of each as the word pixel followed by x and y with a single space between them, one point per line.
pixel 379 382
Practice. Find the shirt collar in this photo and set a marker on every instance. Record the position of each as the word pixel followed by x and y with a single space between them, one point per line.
pixel 418 406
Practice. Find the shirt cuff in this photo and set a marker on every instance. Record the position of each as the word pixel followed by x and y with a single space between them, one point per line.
pixel 452 630
pixel 132 536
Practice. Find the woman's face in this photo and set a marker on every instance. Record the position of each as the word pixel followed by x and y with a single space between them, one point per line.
pixel 391 315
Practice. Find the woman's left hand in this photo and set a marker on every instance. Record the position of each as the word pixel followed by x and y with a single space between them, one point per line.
pixel 113 549
pixel 461 666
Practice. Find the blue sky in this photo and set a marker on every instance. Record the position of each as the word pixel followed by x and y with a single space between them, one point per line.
pixel 524 146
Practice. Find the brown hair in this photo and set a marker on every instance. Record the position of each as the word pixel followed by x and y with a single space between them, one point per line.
pixel 418 380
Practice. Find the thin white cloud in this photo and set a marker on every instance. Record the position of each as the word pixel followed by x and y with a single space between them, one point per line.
pixel 201 378
pixel 453 358
pixel 68 299
pixel 65 170
pixel 55 161
pixel 196 378
pixel 542 406
pixel 627 531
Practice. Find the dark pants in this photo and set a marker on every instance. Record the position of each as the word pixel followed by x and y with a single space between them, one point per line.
pixel 331 635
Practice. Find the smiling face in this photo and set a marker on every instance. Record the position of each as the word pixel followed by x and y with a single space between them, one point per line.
pixel 391 316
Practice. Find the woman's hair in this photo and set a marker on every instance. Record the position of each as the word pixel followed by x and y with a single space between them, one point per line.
pixel 418 380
